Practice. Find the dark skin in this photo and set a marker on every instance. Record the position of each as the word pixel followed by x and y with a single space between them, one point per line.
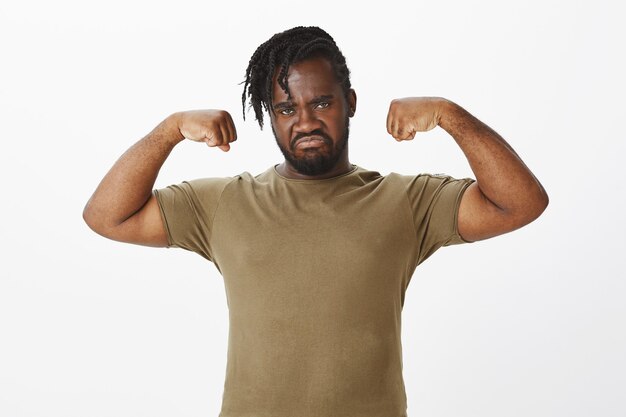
pixel 505 196
pixel 317 110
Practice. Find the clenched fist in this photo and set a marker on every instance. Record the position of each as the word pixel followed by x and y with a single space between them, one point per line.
pixel 410 115
pixel 215 127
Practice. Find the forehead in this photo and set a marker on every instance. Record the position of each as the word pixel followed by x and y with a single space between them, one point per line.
pixel 311 77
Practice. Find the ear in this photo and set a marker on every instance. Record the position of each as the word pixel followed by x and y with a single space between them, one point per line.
pixel 351 102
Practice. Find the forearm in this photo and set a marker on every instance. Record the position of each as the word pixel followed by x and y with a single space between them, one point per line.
pixel 501 175
pixel 128 184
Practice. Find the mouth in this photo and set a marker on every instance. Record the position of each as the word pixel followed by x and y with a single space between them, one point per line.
pixel 310 142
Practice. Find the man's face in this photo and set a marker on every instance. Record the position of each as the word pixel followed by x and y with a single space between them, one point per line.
pixel 312 128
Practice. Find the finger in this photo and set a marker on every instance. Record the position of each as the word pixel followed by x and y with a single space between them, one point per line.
pixel 217 136
pixel 396 129
pixel 399 133
pixel 225 134
pixel 408 133
pixel 231 128
pixel 225 147
pixel 404 133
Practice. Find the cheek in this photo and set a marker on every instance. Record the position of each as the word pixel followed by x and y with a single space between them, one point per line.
pixel 338 123
pixel 277 126
pixel 282 130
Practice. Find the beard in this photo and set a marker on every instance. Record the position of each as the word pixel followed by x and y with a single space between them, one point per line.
pixel 314 162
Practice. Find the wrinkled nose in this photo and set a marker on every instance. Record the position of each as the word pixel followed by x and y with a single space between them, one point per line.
pixel 306 121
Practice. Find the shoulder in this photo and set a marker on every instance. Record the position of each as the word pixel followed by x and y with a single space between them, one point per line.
pixel 198 190
pixel 426 177
pixel 407 181
pixel 365 176
pixel 419 179
pixel 207 183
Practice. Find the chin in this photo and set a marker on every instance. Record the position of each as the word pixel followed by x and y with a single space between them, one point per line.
pixel 313 166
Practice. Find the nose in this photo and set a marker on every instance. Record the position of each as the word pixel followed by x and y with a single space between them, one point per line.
pixel 306 121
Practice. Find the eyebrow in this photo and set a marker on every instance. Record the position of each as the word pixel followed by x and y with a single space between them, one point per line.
pixel 318 99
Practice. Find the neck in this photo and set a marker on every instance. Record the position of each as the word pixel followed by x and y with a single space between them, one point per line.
pixel 342 166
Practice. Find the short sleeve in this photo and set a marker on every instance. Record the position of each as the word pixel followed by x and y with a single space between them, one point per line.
pixel 434 202
pixel 187 210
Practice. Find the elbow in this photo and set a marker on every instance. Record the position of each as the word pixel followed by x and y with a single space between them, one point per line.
pixel 89 218
pixel 533 207
pixel 542 201
pixel 97 222
pixel 92 220
pixel 546 201
pixel 536 209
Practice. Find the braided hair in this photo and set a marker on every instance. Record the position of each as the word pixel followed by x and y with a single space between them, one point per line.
pixel 282 50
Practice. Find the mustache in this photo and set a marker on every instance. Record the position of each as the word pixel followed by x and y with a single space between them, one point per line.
pixel 317 132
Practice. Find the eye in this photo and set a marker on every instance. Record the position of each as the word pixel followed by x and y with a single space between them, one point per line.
pixel 286 111
pixel 323 104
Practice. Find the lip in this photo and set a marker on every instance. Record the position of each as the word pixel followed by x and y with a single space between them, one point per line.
pixel 310 142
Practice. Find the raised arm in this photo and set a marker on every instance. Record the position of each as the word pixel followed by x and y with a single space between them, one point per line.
pixel 123 207
pixel 506 194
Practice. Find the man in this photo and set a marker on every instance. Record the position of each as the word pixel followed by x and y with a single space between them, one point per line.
pixel 316 253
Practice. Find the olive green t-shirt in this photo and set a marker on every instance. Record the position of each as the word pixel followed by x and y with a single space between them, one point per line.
pixel 315 273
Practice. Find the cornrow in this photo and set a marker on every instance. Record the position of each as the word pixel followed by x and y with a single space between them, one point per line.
pixel 281 51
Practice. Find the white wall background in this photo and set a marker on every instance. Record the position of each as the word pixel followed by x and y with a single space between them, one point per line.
pixel 531 323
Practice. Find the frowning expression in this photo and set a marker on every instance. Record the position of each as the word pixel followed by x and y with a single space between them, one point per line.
pixel 311 127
